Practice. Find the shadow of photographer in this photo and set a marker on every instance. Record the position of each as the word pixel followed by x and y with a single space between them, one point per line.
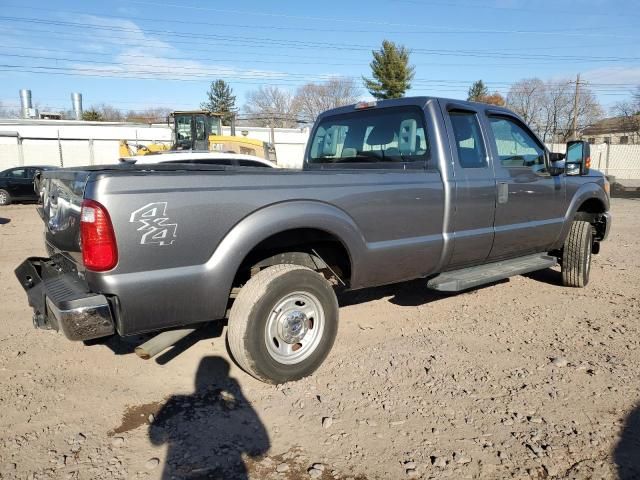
pixel 212 432
pixel 627 452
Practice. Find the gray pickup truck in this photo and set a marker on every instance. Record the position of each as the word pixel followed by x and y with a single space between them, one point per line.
pixel 457 193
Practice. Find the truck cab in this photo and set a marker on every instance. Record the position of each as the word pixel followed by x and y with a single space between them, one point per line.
pixel 506 195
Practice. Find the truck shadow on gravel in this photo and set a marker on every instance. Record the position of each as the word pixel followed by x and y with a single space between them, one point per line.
pixel 406 294
pixel 548 276
pixel 627 452
pixel 212 432
pixel 127 345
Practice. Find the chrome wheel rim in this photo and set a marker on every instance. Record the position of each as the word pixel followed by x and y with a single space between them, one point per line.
pixel 294 327
pixel 3 198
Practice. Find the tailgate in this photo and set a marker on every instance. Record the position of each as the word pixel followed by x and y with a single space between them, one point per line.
pixel 61 194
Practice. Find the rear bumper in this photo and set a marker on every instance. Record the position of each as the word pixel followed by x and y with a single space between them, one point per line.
pixel 62 301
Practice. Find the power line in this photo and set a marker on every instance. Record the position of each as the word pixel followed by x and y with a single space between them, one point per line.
pixel 303 17
pixel 541 11
pixel 300 43
pixel 274 27
pixel 199 72
pixel 50 70
pixel 448 53
pixel 324 29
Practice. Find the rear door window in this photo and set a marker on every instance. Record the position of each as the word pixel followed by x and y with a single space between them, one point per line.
pixel 468 139
pixel 378 136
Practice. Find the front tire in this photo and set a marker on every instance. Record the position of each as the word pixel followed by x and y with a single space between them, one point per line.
pixel 283 323
pixel 5 198
pixel 576 255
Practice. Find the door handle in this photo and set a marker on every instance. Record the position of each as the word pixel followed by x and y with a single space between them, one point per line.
pixel 503 192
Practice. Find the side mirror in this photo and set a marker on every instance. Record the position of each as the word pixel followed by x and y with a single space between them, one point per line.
pixel 556 157
pixel 556 164
pixel 578 159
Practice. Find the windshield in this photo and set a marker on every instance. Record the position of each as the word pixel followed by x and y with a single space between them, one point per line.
pixel 377 135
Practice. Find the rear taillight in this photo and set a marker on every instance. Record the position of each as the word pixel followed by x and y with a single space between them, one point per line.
pixel 97 239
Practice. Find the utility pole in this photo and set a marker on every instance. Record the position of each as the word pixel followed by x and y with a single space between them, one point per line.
pixel 575 108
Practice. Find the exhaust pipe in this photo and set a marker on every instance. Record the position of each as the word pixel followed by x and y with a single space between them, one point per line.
pixel 162 341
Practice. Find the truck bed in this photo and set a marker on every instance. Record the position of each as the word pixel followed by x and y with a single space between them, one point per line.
pixel 213 216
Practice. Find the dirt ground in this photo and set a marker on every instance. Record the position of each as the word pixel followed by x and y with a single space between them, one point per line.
pixel 520 379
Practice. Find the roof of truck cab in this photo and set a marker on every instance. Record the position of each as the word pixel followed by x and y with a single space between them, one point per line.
pixel 417 102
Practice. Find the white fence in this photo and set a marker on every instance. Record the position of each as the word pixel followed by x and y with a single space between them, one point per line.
pixel 620 161
pixel 70 144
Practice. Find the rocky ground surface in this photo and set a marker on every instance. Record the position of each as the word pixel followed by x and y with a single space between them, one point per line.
pixel 520 379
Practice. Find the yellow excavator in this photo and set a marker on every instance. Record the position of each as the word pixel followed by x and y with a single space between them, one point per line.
pixel 201 130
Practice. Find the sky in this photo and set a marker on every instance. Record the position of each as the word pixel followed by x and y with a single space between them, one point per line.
pixel 136 54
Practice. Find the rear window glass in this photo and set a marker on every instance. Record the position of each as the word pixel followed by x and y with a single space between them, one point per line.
pixel 17 173
pixel 370 136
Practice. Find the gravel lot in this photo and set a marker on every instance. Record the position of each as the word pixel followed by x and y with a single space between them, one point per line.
pixel 520 379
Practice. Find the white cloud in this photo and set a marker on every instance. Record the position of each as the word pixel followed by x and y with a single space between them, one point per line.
pixel 617 75
pixel 137 54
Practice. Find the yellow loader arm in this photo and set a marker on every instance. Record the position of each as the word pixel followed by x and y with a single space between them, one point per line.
pixel 125 150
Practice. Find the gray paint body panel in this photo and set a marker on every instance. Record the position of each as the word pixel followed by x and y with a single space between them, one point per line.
pixel 396 224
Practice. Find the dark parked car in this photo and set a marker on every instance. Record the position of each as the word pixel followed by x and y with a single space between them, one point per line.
pixel 16 184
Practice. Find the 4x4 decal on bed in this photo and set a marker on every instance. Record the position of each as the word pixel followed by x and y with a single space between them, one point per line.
pixel 155 227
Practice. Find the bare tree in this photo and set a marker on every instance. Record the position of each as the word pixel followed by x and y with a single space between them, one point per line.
pixel 149 115
pixel 314 98
pixel 270 106
pixel 629 112
pixel 526 98
pixel 548 106
pixel 557 108
pixel 589 109
pixel 626 108
pixel 6 112
pixel 108 113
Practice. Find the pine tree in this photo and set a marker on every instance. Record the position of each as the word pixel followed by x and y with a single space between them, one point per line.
pixel 220 99
pixel 478 91
pixel 391 72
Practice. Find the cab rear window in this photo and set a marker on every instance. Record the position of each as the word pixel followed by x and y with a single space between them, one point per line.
pixel 395 134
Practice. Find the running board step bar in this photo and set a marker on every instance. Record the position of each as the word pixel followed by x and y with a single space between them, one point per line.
pixel 465 278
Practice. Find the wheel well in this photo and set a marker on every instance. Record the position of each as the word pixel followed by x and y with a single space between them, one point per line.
pixel 591 211
pixel 310 247
pixel 593 205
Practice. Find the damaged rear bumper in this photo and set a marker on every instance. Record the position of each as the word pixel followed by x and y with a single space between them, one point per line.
pixel 62 301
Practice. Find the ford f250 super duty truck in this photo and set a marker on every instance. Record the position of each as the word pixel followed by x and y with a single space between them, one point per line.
pixel 458 193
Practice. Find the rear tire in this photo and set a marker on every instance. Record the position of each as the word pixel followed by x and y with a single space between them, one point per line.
pixel 283 323
pixel 5 198
pixel 576 255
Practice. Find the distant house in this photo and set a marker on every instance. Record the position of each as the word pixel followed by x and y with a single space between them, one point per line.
pixel 614 130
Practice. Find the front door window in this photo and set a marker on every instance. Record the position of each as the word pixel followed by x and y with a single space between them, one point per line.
pixel 515 146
